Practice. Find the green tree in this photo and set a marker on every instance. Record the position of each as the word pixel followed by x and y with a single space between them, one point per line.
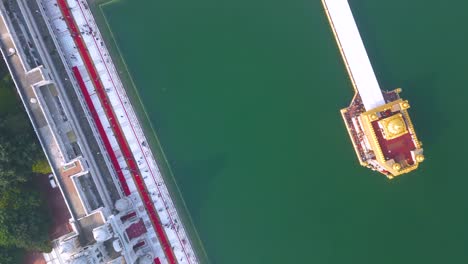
pixel 9 255
pixel 5 256
pixel 23 220
pixel 42 167
pixel 17 152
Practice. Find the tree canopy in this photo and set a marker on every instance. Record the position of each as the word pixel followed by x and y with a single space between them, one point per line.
pixel 24 218
pixel 42 167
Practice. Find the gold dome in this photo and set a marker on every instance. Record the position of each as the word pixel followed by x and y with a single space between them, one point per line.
pixel 396 166
pixel 396 126
pixel 420 158
pixel 393 126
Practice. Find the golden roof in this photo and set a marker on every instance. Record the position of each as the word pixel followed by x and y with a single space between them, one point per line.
pixel 393 126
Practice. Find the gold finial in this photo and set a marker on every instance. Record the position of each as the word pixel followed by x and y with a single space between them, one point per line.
pixel 405 105
pixel 373 117
pixel 398 90
pixel 396 166
pixel 420 158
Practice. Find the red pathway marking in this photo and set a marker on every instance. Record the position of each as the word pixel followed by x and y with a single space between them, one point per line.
pixel 133 130
pixel 101 130
pixel 100 91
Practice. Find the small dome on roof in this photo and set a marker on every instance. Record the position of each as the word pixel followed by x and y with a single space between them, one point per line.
pixel 101 234
pixel 117 245
pixel 122 204
pixel 420 158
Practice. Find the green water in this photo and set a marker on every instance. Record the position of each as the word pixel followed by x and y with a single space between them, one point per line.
pixel 245 98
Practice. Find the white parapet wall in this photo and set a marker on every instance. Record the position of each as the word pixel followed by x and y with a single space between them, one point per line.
pixel 180 244
pixel 354 53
